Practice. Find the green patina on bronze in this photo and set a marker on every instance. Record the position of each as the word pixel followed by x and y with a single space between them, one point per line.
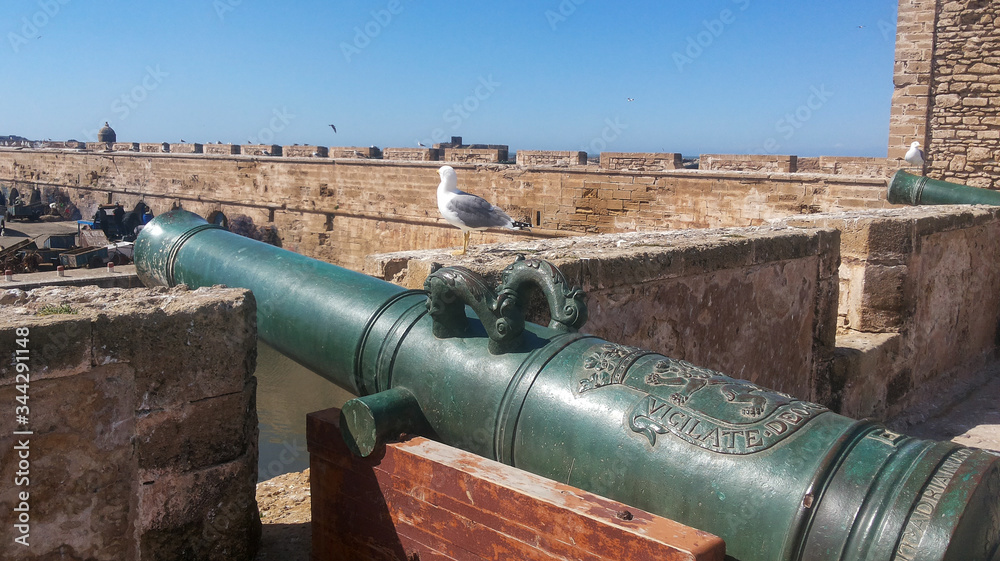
pixel 908 189
pixel 775 476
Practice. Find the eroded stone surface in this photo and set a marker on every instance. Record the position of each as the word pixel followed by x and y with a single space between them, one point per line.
pixel 143 422
pixel 757 303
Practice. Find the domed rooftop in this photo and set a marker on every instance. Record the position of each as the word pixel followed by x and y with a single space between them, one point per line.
pixel 106 134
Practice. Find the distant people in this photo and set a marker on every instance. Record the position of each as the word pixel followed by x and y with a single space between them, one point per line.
pixel 101 220
pixel 147 214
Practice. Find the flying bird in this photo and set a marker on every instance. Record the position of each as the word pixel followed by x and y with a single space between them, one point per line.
pixel 915 156
pixel 420 144
pixel 469 212
pixel 334 128
pixel 629 99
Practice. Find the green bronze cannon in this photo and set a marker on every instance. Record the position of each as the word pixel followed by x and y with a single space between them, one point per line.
pixel 774 476
pixel 908 189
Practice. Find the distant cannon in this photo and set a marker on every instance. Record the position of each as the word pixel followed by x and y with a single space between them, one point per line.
pixel 118 224
pixel 776 477
pixel 20 207
pixel 908 189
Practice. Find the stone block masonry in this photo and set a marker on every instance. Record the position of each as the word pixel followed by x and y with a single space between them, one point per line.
pixel 919 302
pixel 221 149
pixel 965 113
pixel 845 165
pixel 355 152
pixel 143 424
pixel 341 210
pixel 260 150
pixel 475 155
pixel 915 30
pixel 743 162
pixel 947 95
pixel 305 151
pixel 412 154
pixel 534 158
pixel 186 148
pixel 717 298
pixel 155 147
pixel 636 161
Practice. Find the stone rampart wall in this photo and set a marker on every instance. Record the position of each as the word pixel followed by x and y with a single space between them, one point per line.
pixel 947 93
pixel 641 161
pixel 534 158
pixel 119 464
pixel 748 162
pixel 343 210
pixel 919 306
pixel 755 303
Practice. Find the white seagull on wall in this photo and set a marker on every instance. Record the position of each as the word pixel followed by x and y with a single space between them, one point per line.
pixel 915 156
pixel 469 212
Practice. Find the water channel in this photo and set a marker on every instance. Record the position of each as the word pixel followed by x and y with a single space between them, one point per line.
pixel 286 392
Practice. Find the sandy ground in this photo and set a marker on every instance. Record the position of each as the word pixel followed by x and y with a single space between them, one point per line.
pixel 18 230
pixel 973 422
pixel 284 504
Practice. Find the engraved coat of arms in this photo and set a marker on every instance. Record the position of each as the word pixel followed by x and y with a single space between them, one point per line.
pixel 698 405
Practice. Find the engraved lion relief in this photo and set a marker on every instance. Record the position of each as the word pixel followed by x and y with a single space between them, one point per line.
pixel 691 379
pixel 609 364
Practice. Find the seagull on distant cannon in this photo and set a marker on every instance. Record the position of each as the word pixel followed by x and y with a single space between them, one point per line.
pixel 469 212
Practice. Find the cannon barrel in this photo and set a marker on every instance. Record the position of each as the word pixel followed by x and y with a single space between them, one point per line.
pixel 774 476
pixel 909 189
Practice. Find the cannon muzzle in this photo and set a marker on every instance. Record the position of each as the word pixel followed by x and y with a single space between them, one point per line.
pixel 908 189
pixel 776 477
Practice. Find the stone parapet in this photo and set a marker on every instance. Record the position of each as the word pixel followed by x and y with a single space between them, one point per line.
pixel 930 275
pixel 341 213
pixel 69 144
pixel 125 146
pixel 221 149
pixel 123 384
pixel 748 162
pixel 357 152
pixel 154 147
pixel 186 148
pixel 649 289
pixel 412 154
pixel 639 161
pixel 535 158
pixel 304 151
pixel 260 149
pixel 99 146
pixel 475 155
pixel 844 165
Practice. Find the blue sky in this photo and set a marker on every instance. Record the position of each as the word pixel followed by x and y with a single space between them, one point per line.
pixel 722 76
